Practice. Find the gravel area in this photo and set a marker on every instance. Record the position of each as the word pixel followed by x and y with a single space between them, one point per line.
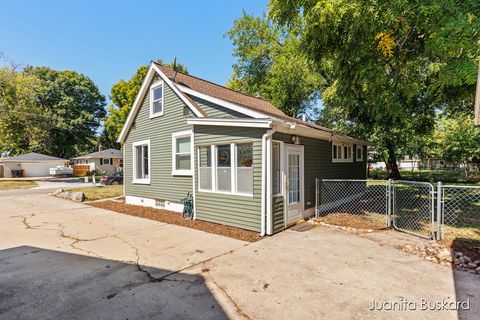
pixel 175 218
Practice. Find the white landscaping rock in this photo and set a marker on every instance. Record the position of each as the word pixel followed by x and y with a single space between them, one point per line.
pixel 77 196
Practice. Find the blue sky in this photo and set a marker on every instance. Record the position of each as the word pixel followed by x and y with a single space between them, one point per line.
pixel 108 40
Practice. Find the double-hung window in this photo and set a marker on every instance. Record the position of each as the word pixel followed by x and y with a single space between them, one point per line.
pixel 141 162
pixel 342 152
pixel 156 99
pixel 226 168
pixel 182 153
pixel 359 153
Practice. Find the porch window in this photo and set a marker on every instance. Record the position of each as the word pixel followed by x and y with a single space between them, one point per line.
pixel 244 174
pixel 205 168
pixel 182 153
pixel 141 162
pixel 226 168
pixel 276 173
pixel 156 99
pixel 342 152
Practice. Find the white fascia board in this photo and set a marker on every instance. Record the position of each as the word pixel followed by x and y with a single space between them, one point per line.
pixel 175 89
pixel 246 123
pixel 136 103
pixel 223 103
pixel 141 94
pixel 302 130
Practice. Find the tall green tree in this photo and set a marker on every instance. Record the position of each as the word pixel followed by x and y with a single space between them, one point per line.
pixel 123 95
pixel 455 139
pixel 48 111
pixel 389 65
pixel 271 64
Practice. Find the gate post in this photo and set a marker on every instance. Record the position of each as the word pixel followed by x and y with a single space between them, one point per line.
pixel 389 202
pixel 316 197
pixel 439 210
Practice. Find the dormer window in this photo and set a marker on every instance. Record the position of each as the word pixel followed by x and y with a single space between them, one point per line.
pixel 156 99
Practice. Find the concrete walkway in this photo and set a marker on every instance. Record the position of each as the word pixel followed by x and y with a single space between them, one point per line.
pixel 60 259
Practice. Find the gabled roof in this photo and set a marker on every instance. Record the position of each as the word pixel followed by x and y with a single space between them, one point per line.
pixel 107 153
pixel 220 92
pixel 32 156
pixel 186 85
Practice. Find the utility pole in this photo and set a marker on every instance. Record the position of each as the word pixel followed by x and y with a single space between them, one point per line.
pixel 477 98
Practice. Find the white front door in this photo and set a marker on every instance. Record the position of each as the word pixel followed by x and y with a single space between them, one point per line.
pixel 294 175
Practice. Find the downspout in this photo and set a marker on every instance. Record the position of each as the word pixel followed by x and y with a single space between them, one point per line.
pixel 265 201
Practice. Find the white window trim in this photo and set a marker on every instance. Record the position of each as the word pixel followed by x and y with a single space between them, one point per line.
pixel 343 158
pixel 233 169
pixel 356 153
pixel 134 162
pixel 175 136
pixel 152 88
pixel 103 161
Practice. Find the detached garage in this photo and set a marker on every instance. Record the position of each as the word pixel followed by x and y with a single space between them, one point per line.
pixel 30 165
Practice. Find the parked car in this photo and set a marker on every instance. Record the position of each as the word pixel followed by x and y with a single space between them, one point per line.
pixel 60 171
pixel 115 178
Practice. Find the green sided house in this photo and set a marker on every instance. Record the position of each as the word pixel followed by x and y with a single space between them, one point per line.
pixel 247 164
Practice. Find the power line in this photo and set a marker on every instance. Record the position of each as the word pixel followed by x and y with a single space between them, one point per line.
pixel 82 41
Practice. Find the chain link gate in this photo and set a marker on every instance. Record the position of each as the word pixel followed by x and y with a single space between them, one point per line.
pixel 413 206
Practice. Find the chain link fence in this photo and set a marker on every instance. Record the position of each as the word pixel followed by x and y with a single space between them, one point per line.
pixel 461 213
pixel 447 212
pixel 363 202
pixel 413 208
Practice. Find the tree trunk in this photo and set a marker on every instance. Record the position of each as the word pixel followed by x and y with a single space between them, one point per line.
pixel 391 163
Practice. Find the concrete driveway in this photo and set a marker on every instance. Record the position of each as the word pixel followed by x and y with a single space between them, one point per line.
pixel 60 259
pixel 47 185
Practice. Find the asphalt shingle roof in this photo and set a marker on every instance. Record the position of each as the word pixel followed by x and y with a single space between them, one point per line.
pixel 107 153
pixel 33 156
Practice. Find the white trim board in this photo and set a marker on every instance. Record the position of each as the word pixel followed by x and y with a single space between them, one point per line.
pixel 236 122
pixel 223 103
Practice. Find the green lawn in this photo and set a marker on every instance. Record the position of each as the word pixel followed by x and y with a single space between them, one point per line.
pixel 18 184
pixel 97 193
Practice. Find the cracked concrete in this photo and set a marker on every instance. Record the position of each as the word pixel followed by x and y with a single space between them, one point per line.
pixel 60 259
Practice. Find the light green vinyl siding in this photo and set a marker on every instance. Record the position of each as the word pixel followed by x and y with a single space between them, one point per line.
pixel 159 131
pixel 277 206
pixel 318 164
pixel 214 110
pixel 233 210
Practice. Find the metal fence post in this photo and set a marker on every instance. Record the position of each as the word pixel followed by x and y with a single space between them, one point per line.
pixel 389 203
pixel 316 197
pixel 439 210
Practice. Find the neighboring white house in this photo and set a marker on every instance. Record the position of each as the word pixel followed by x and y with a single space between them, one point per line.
pixel 29 165
pixel 108 161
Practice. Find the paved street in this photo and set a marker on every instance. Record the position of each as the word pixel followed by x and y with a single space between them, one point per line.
pixel 60 259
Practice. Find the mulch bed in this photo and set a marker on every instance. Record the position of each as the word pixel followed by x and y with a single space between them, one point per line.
pixel 175 218
pixel 350 220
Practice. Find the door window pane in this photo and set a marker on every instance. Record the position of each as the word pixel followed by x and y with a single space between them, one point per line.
pixel 293 178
